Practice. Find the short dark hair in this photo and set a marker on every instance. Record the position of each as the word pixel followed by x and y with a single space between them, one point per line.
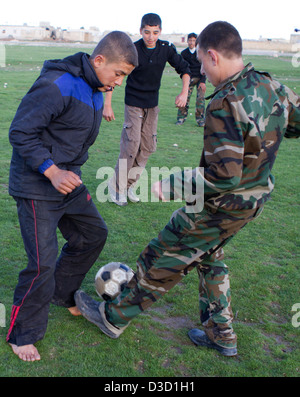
pixel 221 36
pixel 191 35
pixel 151 20
pixel 117 46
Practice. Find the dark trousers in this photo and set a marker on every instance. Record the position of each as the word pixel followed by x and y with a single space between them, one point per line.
pixel 48 279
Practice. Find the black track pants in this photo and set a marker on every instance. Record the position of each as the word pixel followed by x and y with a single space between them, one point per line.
pixel 47 278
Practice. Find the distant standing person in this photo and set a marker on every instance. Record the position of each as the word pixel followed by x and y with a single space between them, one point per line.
pixel 197 80
pixel 139 134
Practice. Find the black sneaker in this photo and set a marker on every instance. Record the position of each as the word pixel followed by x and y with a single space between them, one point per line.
pixel 94 312
pixel 201 339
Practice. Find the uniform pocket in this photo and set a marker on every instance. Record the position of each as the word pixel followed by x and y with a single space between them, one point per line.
pixel 150 143
pixel 130 142
pixel 128 131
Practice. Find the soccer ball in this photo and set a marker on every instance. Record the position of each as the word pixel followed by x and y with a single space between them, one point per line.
pixel 111 279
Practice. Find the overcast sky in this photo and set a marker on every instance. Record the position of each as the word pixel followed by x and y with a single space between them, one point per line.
pixel 255 18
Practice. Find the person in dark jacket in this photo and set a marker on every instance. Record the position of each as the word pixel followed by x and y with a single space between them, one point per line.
pixel 139 134
pixel 54 126
pixel 197 80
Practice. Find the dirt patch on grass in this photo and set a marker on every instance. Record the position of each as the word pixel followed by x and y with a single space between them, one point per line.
pixel 161 316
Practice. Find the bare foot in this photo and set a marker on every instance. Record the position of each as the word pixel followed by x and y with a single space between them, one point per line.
pixel 74 310
pixel 26 352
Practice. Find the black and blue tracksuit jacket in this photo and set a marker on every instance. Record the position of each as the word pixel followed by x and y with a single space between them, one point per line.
pixel 56 122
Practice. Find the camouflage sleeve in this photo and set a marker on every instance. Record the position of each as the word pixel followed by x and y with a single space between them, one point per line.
pixel 243 129
pixel 223 153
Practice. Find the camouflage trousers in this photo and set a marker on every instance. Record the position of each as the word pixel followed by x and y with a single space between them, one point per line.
pixel 189 240
pixel 200 102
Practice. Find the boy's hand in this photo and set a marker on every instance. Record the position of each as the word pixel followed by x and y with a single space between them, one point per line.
pixel 63 181
pixel 181 99
pixel 203 87
pixel 108 113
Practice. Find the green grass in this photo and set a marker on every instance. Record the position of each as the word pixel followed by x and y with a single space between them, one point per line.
pixel 263 258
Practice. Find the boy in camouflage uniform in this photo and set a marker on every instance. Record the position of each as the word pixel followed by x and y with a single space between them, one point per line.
pixel 246 119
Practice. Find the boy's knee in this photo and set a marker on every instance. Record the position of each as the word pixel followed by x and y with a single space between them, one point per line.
pixel 93 237
pixel 100 235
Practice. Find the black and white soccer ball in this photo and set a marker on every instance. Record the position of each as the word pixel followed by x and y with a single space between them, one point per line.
pixel 111 279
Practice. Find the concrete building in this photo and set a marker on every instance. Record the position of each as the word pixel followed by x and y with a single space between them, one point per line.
pixel 46 32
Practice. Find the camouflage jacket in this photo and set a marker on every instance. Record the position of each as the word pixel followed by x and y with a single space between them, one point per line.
pixel 246 119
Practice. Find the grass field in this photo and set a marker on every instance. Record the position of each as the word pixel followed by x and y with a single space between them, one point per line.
pixel 263 258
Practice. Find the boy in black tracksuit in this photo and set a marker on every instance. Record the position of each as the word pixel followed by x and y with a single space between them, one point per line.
pixel 139 134
pixel 55 124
